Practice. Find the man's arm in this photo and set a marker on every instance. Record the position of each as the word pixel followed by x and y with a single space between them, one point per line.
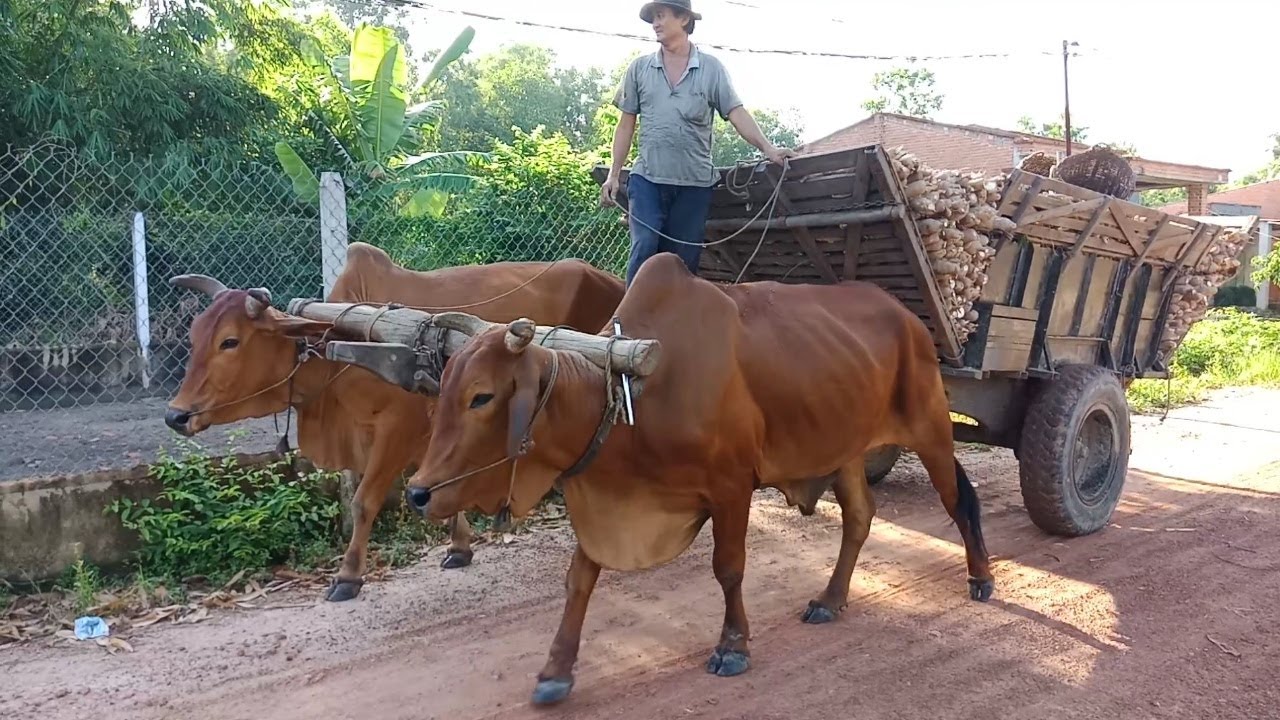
pixel 726 98
pixel 749 130
pixel 622 136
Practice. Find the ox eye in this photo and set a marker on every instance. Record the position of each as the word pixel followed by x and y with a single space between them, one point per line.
pixel 229 343
pixel 480 399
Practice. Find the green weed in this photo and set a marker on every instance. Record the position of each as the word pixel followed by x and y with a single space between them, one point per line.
pixel 1228 348
pixel 213 519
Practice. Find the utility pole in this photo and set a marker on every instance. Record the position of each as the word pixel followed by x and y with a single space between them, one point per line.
pixel 1066 96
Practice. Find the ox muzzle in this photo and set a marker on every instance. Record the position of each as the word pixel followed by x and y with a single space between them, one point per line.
pixel 419 499
pixel 178 420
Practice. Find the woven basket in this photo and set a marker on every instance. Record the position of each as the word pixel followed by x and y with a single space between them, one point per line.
pixel 1101 170
pixel 1038 163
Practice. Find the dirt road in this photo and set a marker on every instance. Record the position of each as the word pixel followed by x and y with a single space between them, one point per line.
pixel 1171 612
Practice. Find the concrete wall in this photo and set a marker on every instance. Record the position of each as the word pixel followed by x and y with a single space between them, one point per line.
pixel 44 522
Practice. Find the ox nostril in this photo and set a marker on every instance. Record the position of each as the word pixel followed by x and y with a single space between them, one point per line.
pixel 177 419
pixel 418 497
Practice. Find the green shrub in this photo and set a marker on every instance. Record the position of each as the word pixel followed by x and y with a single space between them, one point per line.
pixel 1236 296
pixel 215 519
pixel 1228 348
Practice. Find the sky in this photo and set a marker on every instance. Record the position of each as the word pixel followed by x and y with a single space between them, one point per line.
pixel 1183 82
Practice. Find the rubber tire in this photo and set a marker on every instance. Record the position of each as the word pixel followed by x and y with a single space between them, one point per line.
pixel 879 461
pixel 1046 463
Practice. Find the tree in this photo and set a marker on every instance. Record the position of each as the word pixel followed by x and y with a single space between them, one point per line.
pixel 83 73
pixel 519 87
pixel 1055 129
pixel 360 101
pixel 906 91
pixel 728 147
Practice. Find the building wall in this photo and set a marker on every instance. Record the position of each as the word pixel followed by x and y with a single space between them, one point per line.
pixel 941 146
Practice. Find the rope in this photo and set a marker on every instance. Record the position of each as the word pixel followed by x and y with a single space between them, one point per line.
pixel 737 190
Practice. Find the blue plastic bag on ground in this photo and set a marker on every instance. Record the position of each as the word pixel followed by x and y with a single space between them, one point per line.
pixel 90 627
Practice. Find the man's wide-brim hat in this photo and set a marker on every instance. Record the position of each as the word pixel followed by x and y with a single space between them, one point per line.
pixel 646 12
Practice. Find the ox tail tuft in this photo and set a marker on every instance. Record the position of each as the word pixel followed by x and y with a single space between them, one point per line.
pixel 968 509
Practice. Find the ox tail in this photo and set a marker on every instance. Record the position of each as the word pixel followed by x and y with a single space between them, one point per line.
pixel 968 509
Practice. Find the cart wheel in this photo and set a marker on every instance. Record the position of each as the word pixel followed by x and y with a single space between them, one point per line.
pixel 879 461
pixel 1075 451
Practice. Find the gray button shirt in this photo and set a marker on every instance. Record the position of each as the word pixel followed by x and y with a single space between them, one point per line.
pixel 676 124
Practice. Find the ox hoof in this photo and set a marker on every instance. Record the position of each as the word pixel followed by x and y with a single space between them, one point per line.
pixel 816 614
pixel 727 663
pixel 456 558
pixel 549 692
pixel 340 590
pixel 981 590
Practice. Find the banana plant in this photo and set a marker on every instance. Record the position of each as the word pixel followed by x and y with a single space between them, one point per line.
pixel 361 108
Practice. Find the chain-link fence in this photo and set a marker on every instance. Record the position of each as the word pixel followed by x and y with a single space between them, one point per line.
pixel 93 339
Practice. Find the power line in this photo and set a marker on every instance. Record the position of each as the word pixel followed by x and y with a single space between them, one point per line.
pixel 421 5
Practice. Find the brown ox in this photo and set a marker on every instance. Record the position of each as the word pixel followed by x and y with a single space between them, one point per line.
pixel 759 385
pixel 243 353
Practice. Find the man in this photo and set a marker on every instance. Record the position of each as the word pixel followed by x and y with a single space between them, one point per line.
pixel 674 91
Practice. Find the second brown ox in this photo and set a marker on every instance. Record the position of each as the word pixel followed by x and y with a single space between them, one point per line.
pixel 759 385
pixel 245 362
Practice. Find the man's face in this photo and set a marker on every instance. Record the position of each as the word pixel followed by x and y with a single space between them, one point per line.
pixel 668 24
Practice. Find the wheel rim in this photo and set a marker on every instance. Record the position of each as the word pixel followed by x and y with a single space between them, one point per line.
pixel 1094 457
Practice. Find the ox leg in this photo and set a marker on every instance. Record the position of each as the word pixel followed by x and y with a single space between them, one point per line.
pixel 857 508
pixel 556 679
pixel 370 495
pixel 961 502
pixel 729 561
pixel 459 553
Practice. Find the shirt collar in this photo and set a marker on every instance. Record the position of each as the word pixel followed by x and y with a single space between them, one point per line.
pixel 656 58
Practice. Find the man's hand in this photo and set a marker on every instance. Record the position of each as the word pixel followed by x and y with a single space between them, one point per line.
pixel 779 155
pixel 609 191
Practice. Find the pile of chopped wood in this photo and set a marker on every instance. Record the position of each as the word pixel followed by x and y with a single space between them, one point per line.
pixel 956 216
pixel 1194 291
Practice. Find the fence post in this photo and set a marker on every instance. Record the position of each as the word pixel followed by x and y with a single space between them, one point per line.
pixel 141 307
pixel 333 228
pixel 1264 247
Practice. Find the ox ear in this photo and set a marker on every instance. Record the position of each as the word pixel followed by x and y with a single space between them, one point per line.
pixel 294 326
pixel 519 335
pixel 256 302
pixel 520 409
pixel 200 283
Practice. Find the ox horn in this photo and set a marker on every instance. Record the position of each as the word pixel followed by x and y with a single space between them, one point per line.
pixel 257 302
pixel 469 325
pixel 201 283
pixel 519 334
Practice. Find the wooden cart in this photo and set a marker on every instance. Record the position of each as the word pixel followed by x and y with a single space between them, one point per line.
pixel 1074 308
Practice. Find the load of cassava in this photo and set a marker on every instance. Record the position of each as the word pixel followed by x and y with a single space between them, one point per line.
pixel 1194 291
pixel 956 216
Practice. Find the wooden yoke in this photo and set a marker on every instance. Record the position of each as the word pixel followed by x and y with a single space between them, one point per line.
pixel 408 347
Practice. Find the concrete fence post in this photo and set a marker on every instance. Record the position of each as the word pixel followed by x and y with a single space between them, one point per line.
pixel 141 305
pixel 333 228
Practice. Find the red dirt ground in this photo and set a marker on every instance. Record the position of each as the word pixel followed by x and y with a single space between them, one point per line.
pixel 1171 612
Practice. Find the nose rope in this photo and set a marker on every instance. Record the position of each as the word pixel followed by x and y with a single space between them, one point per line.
pixel 524 442
pixel 304 354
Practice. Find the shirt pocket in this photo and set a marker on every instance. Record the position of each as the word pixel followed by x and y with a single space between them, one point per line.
pixel 694 107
